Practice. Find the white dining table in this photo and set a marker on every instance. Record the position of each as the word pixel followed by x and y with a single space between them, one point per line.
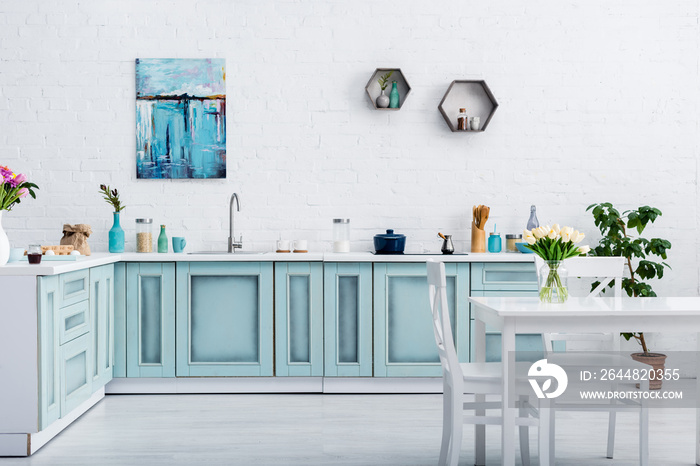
pixel 513 315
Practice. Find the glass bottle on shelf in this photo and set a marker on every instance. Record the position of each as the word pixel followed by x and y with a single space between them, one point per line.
pixel 462 120
pixel 162 240
pixel 532 222
pixel 394 96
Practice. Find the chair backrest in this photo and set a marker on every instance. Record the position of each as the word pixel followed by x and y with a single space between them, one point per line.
pixel 606 269
pixel 437 292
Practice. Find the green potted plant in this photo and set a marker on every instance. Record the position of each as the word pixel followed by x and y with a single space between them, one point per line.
pixel 643 259
pixel 383 100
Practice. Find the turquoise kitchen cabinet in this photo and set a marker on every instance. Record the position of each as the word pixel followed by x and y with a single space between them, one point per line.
pixel 224 319
pixel 75 327
pixel 504 279
pixel 150 319
pixel 102 321
pixel 49 352
pixel 298 319
pixel 119 362
pixel 347 312
pixel 404 344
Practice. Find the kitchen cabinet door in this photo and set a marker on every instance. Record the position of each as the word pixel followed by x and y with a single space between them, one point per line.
pixel 298 319
pixel 75 372
pixel 49 376
pixel 224 319
pixel 150 319
pixel 119 365
pixel 404 343
pixel 515 279
pixel 347 311
pixel 102 321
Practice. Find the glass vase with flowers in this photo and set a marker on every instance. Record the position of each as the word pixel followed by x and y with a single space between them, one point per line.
pixel 554 245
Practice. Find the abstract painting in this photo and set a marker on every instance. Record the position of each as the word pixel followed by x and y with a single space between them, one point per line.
pixel 180 118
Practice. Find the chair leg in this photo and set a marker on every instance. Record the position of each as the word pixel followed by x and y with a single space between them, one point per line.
pixel 611 433
pixel 480 434
pixel 643 436
pixel 456 440
pixel 545 434
pixel 447 415
pixel 447 419
pixel 552 433
pixel 524 433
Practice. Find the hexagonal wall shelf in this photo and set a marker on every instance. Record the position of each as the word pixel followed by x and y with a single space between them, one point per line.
pixel 374 90
pixel 473 95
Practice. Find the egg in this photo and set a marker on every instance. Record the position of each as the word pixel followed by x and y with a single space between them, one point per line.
pixel 49 253
pixel 75 253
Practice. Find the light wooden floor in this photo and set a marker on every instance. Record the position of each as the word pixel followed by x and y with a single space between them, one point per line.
pixel 324 430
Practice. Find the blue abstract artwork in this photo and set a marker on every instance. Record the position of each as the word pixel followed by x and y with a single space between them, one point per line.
pixel 180 118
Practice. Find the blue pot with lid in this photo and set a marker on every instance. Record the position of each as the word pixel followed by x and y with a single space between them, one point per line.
pixel 389 243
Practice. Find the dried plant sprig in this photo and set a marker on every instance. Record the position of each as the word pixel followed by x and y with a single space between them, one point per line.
pixel 112 197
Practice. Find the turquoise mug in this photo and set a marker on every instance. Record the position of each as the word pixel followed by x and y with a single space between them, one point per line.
pixel 179 243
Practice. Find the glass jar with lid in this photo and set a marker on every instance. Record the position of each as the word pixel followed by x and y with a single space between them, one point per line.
pixel 511 242
pixel 144 235
pixel 341 235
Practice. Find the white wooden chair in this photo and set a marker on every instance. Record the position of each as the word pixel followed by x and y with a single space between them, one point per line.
pixel 605 269
pixel 469 378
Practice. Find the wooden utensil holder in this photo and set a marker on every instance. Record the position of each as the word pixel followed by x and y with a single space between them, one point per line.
pixel 478 239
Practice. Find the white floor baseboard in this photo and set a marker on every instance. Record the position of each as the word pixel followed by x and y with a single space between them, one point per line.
pixel 275 385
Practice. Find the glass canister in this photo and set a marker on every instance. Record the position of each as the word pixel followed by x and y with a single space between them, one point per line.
pixel 511 240
pixel 341 235
pixel 144 235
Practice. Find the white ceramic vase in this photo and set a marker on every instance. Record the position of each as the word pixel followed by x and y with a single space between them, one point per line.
pixel 4 244
pixel 383 100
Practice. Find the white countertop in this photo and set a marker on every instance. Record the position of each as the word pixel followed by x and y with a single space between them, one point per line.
pixel 22 267
pixel 48 267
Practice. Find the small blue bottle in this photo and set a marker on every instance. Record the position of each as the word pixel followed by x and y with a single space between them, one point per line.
pixel 394 96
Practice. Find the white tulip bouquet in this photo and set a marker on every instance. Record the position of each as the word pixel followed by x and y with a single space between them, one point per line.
pixel 554 244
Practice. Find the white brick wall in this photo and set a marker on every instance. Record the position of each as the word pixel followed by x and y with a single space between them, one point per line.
pixel 599 102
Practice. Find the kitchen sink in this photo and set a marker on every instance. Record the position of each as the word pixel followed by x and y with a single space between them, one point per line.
pixel 226 252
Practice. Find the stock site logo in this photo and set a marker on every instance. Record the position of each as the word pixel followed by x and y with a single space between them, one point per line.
pixel 547 371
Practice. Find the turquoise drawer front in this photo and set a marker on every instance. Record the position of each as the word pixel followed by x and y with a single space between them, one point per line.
pixel 73 287
pixel 74 321
pixel 511 276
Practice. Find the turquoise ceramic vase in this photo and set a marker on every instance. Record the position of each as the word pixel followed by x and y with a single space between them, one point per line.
pixel 116 236
pixel 394 96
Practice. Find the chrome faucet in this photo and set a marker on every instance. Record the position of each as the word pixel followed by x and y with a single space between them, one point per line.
pixel 232 244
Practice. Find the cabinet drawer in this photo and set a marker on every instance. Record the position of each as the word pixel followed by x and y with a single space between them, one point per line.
pixel 519 276
pixel 73 287
pixel 73 321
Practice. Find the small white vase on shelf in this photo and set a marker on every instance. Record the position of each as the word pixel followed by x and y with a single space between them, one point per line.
pixel 4 244
pixel 382 100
